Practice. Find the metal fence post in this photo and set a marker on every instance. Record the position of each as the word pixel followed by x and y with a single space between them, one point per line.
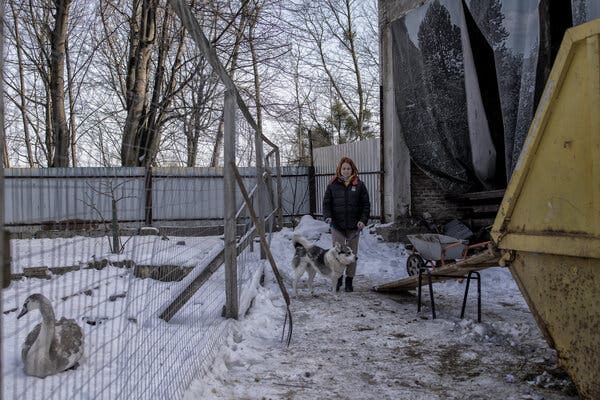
pixel 148 200
pixel 230 253
pixel 260 182
pixel 312 190
pixel 312 185
pixel 279 189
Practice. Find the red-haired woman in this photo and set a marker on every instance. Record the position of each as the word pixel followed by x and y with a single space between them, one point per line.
pixel 346 208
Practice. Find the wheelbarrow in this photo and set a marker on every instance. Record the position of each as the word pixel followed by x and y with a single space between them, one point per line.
pixel 431 250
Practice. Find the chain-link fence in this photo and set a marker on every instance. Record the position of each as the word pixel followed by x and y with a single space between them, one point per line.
pixel 112 275
pixel 146 265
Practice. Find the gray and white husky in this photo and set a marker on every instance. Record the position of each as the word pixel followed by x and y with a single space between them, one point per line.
pixel 312 258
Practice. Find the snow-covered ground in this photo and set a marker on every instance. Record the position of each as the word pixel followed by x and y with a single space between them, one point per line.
pixel 366 345
pixel 361 345
pixel 129 352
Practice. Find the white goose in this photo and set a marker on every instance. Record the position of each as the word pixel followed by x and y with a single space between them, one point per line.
pixel 52 346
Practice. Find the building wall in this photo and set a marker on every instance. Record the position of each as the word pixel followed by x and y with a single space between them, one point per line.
pixel 426 196
pixel 396 160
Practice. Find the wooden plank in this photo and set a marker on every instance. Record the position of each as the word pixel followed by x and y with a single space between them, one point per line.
pixel 261 234
pixel 489 194
pixel 480 208
pixel 279 189
pixel 193 287
pixel 265 246
pixel 486 208
pixel 229 228
pixel 243 206
pixel 459 269
pixel 211 267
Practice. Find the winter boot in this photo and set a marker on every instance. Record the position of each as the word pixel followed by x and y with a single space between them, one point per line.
pixel 348 287
pixel 339 283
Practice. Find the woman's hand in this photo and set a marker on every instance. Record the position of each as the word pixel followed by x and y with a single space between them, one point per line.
pixel 360 225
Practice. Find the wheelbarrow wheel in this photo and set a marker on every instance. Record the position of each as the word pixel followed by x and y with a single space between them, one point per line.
pixel 414 263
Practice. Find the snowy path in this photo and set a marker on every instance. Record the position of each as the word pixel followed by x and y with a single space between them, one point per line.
pixel 365 345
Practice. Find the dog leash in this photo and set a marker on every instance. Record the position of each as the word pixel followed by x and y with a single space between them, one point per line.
pixel 351 238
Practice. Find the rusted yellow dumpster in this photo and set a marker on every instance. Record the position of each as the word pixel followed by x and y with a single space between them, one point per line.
pixel 548 226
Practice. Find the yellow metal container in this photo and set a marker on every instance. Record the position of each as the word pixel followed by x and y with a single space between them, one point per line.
pixel 548 226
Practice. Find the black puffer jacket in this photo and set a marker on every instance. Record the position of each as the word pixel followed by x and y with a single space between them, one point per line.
pixel 346 205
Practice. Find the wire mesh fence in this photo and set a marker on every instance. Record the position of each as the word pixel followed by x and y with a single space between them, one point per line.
pixel 132 259
pixel 83 250
pixel 114 288
pixel 120 282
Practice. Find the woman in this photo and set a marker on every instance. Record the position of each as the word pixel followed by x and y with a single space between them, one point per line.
pixel 346 208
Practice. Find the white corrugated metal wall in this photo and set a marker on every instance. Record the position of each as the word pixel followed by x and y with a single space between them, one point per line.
pixel 37 196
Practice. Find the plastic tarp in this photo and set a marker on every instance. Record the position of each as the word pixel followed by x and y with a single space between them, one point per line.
pixel 466 74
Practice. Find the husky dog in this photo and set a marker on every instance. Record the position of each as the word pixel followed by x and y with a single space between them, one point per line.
pixel 311 258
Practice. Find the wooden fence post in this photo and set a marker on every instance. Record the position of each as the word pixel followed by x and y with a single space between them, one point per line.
pixel 3 254
pixel 230 252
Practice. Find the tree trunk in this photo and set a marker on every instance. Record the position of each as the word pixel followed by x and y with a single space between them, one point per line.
pixel 147 136
pixel 142 38
pixel 60 131
pixel 49 139
pixel 255 68
pixel 22 98
pixel 192 138
pixel 72 127
pixel 162 95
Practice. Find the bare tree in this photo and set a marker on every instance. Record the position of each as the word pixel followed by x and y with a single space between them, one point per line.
pixel 169 78
pixel 231 66
pixel 142 37
pixel 115 192
pixel 22 103
pixel 27 83
pixel 198 104
pixel 60 130
pixel 338 41
pixel 120 82
pixel 41 33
